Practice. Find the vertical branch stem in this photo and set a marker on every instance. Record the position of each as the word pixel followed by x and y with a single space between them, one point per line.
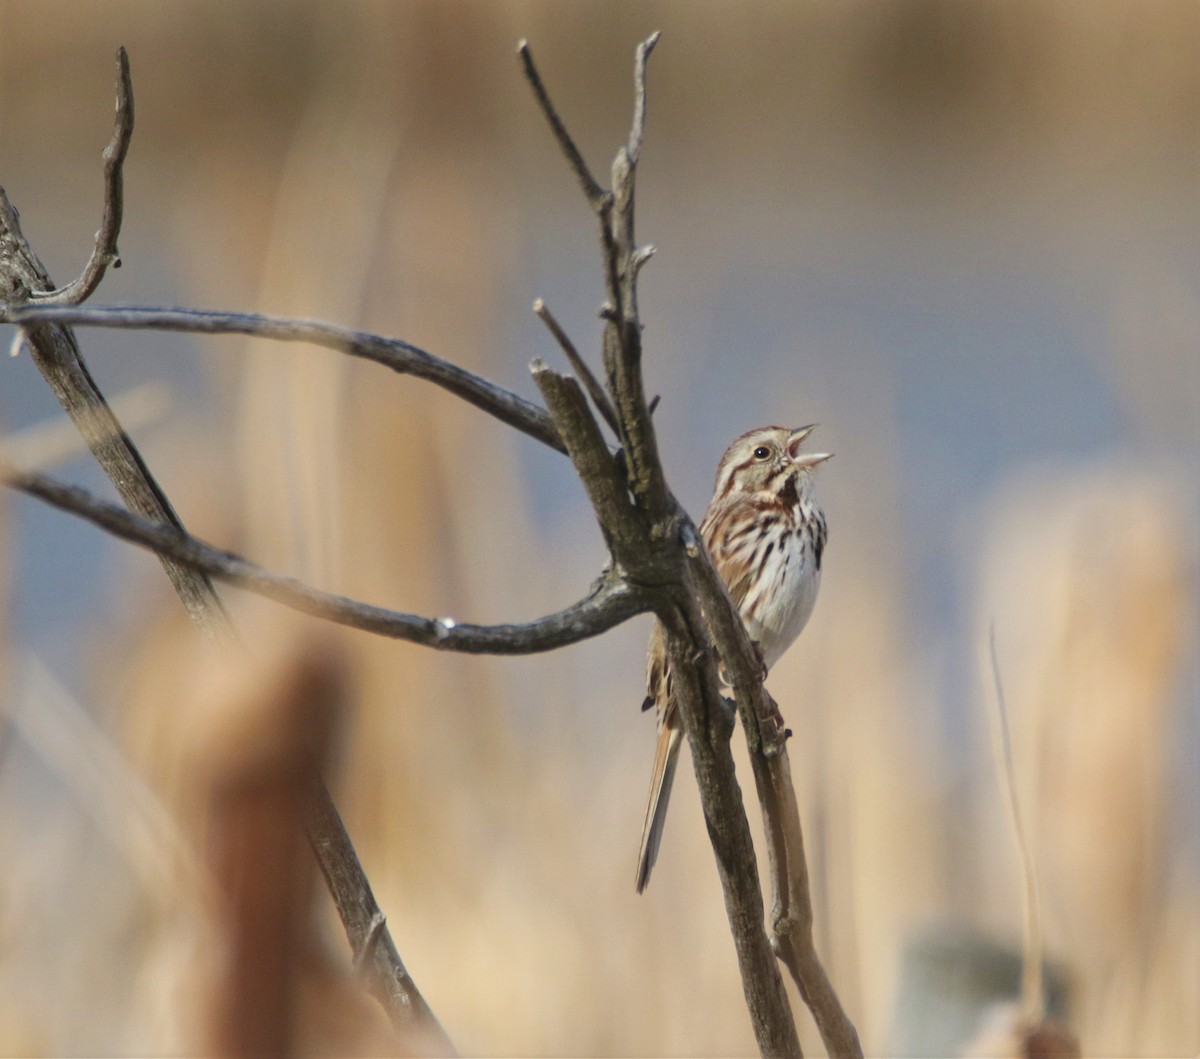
pixel 671 555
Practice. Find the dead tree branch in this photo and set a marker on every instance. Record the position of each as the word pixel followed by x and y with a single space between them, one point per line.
pixel 791 912
pixel 373 950
pixel 56 353
pixel 402 357
pixel 578 365
pixel 591 188
pixel 669 553
pixel 609 602
pixel 105 252
pixel 658 563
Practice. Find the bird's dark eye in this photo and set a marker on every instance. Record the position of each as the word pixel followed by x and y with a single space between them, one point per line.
pixel 762 452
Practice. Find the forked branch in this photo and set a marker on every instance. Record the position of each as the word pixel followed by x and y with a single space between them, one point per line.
pixel 658 563
pixel 54 350
pixel 610 601
pixel 670 552
pixel 105 252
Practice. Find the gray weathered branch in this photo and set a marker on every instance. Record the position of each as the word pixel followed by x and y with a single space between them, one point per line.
pixel 400 356
pixel 610 601
pixel 104 253
pixel 658 563
pixel 374 951
pixel 56 354
pixel 792 912
pixel 591 188
pixel 655 543
pixel 578 365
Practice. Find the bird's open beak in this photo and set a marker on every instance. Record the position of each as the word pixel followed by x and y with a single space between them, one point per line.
pixel 811 459
pixel 804 459
pixel 798 435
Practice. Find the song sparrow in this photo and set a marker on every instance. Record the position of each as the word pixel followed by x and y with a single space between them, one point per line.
pixel 765 535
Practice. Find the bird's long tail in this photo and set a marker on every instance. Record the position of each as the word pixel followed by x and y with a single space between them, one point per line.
pixel 666 757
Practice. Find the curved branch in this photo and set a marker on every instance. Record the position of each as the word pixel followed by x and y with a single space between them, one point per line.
pixel 105 252
pixel 402 357
pixel 611 600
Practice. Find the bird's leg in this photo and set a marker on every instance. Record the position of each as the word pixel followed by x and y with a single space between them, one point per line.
pixel 762 664
pixel 775 732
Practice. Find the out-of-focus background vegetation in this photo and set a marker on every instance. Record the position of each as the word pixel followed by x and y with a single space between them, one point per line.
pixel 963 237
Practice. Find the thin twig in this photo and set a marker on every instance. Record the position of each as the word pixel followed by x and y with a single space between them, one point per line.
pixel 610 602
pixel 402 357
pixel 623 337
pixel 638 128
pixel 579 366
pixel 374 952
pixel 594 192
pixel 105 252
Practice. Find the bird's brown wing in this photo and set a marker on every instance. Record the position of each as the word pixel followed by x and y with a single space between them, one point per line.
pixel 728 552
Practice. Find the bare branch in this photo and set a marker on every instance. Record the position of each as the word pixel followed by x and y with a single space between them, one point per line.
pixel 56 354
pixel 579 366
pixel 791 913
pixel 610 602
pixel 623 527
pixel 402 357
pixel 708 725
pixel 374 952
pixel 594 192
pixel 638 128
pixel 655 543
pixel 105 252
pixel 623 336
pixel 659 563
